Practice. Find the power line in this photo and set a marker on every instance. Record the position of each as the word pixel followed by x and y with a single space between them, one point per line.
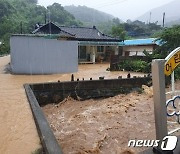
pixel 109 3
pixel 164 19
pixel 101 5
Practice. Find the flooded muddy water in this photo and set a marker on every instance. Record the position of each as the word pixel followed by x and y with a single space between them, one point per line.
pixel 102 126
pixel 18 131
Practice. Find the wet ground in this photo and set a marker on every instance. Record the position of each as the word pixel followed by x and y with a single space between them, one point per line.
pixel 18 131
pixel 106 123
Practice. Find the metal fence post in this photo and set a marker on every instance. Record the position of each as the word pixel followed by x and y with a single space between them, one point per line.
pixel 160 111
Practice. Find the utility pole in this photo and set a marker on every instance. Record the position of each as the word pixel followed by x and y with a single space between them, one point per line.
pixel 164 19
pixel 49 23
pixel 45 17
pixel 150 18
pixel 21 27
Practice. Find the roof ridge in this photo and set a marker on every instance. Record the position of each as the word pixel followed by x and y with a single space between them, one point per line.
pixel 106 34
pixel 77 27
pixel 45 25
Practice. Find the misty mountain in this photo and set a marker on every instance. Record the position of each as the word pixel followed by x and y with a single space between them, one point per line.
pixel 172 14
pixel 88 16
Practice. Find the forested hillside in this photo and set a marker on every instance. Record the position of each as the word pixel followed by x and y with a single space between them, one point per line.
pixel 171 11
pixel 88 16
pixel 111 25
pixel 20 16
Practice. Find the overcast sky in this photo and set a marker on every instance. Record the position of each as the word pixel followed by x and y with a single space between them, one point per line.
pixel 124 9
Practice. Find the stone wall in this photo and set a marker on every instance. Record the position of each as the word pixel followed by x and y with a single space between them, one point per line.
pixel 56 92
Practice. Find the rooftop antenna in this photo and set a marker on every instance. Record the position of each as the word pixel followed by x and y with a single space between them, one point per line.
pixel 45 17
pixel 49 23
pixel 164 19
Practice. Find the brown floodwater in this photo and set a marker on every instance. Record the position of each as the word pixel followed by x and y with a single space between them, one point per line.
pixel 18 132
pixel 102 126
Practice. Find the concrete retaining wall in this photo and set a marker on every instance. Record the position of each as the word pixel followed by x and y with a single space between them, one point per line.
pixel 48 140
pixel 41 94
pixel 56 92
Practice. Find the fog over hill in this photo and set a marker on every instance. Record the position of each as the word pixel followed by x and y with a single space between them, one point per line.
pixel 172 14
pixel 88 15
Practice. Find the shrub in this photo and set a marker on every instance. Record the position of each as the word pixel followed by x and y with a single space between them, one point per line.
pixel 135 65
pixel 177 73
pixel 141 66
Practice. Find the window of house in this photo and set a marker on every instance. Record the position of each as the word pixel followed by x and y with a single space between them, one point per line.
pixel 100 48
pixel 82 52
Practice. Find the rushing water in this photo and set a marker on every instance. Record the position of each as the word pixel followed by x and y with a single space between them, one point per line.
pixel 18 131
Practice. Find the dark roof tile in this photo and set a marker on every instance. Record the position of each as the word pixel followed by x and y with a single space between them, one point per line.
pixel 79 33
pixel 86 33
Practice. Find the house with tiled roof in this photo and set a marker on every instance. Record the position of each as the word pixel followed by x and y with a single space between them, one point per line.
pixel 94 46
pixel 136 47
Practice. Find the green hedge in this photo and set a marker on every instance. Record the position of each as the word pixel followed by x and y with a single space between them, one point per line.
pixel 177 73
pixel 141 66
pixel 135 65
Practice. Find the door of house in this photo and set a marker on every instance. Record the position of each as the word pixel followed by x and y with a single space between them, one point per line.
pixel 127 53
pixel 120 52
pixel 82 55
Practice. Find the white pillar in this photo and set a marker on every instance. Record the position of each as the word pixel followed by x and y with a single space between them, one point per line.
pixel 93 55
pixel 116 50
pixel 160 111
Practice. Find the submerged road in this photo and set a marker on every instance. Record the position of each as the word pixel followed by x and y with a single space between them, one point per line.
pixel 18 132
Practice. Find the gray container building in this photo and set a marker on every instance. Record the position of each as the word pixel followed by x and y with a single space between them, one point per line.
pixel 32 54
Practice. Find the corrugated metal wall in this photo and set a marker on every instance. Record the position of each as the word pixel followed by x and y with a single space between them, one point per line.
pixel 38 55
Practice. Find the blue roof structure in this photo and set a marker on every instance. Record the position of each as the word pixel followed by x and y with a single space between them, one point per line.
pixel 148 41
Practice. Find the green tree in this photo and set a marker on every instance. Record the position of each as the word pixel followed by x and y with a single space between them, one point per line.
pixel 116 21
pixel 118 31
pixel 32 1
pixel 6 8
pixel 170 39
pixel 61 16
pixel 18 16
pixel 141 29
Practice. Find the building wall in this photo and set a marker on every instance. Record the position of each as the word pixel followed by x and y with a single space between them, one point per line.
pixel 137 49
pixel 38 55
pixel 92 51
